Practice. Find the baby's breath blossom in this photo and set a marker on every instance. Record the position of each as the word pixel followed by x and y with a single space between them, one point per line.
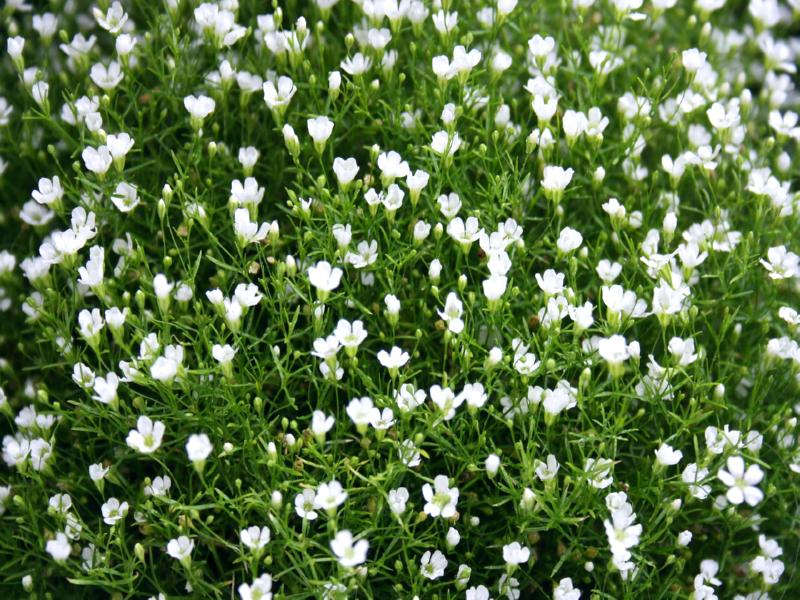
pixel 433 564
pixel 741 481
pixel 146 438
pixel 199 108
pixel 440 499
pixel 181 548
pixel 279 288
pixel 349 552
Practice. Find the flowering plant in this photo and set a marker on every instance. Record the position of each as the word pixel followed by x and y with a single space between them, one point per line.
pixel 399 299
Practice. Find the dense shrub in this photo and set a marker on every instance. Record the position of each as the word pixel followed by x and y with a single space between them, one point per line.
pixel 416 299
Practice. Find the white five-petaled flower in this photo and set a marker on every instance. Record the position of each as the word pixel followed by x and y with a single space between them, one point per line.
pixel 666 455
pixel 433 564
pixel 324 277
pixel 180 548
pixel 348 553
pixel 199 108
pixel 114 511
pixel 440 499
pixel 515 553
pixel 146 438
pixel 329 495
pixel 198 447
pixel 453 310
pixel 394 359
pixel 254 537
pixel 555 181
pixel 742 482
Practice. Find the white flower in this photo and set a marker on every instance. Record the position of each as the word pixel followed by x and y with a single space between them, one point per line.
pixel 198 447
pixel 682 350
pixel 492 465
pixel 249 194
pixel 247 295
pixel 446 401
pixel 409 454
pixel 392 166
pixel 453 310
pixel 741 482
pixel 345 170
pixel 569 239
pixel 515 554
pixel 180 548
pixel 394 359
pixel 566 590
pixel 329 496
pixel 260 589
pixel 324 277
pixel 449 204
pixel 106 77
pixel 551 283
pixel 693 60
pixel 321 423
pixel 125 197
pixel 304 505
pixel 443 144
pixel 254 537
pixel 356 65
pixel 49 191
pixel 114 511
pixel 350 335
pixel 383 420
pixel 546 471
pixel 408 397
pixel 441 499
pixel 494 287
pixel 692 476
pixel 146 438
pixel 362 412
pixel 119 145
pixel 614 350
pixel 464 232
pixel 349 554
pixel 40 91
pixel 97 472
pixel 474 394
pixel 199 108
pixel 398 499
pixel 247 231
pixel 781 263
pixel 97 160
pixel 666 455
pixel 320 129
pixel 599 472
pixel 555 181
pixel 113 20
pixel 574 124
pixel 432 565
pixel 14 46
pixel 366 254
pixel 105 389
pixel 159 487
pixel 444 21
pixel 59 547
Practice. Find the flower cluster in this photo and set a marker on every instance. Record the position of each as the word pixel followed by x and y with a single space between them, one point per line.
pixel 399 298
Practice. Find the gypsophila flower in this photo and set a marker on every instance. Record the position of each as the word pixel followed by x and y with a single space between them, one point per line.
pixel 742 482
pixel 465 267
pixel 348 553
pixel 433 564
pixel 146 438
pixel 441 499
